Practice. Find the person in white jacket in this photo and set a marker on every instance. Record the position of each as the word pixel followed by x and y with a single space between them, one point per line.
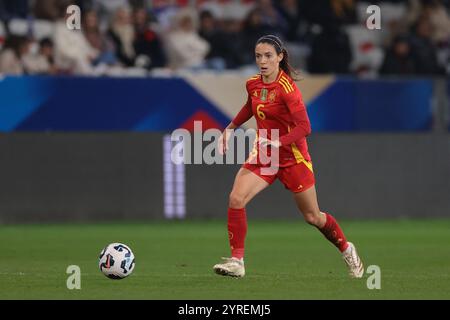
pixel 73 53
pixel 185 48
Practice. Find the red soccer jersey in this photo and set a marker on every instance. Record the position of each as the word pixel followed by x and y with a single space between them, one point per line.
pixel 279 105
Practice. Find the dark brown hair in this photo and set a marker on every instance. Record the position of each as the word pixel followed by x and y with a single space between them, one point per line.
pixel 280 48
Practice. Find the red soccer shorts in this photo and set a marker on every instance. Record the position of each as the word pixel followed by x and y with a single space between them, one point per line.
pixel 296 178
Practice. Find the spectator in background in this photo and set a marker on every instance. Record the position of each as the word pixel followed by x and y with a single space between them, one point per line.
pixel 85 5
pixel 108 8
pixel 147 43
pixel 440 24
pixel 42 62
pixel 111 6
pixel 49 9
pixel 122 34
pixel 435 11
pixel 98 40
pixel 330 14
pixel 290 11
pixel 439 20
pixel 185 47
pixel 330 52
pixel 232 54
pixel 210 32
pixel 424 51
pixel 73 53
pixel 271 18
pixel 253 29
pixel 344 11
pixel 398 59
pixel 330 44
pixel 135 4
pixel 15 48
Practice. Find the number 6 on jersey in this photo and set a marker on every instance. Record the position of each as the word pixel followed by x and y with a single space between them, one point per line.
pixel 260 114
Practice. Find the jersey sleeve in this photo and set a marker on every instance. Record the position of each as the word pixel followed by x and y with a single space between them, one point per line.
pixel 246 112
pixel 297 109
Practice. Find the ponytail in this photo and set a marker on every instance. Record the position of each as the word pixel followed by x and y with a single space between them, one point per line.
pixel 286 66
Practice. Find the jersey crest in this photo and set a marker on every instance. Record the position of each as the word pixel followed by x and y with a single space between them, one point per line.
pixel 272 96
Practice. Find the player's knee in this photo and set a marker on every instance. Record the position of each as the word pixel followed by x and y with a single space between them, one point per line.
pixel 312 219
pixel 237 200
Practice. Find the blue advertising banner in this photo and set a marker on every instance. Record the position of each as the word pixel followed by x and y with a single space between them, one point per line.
pixel 100 104
pixel 163 104
pixel 373 105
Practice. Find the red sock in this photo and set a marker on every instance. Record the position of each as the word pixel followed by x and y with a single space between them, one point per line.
pixel 237 230
pixel 334 233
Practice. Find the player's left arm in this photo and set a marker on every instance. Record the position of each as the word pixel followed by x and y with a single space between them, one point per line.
pixel 302 128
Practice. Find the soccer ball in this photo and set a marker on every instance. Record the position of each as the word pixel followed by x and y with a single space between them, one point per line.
pixel 116 261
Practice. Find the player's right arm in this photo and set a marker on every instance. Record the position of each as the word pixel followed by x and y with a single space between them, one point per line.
pixel 242 117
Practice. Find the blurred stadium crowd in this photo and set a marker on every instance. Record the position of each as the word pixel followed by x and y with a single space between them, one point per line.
pixel 138 37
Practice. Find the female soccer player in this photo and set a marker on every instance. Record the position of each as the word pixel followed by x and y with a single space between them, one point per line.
pixel 276 103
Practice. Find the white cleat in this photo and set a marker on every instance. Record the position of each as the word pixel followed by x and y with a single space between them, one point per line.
pixel 353 262
pixel 232 267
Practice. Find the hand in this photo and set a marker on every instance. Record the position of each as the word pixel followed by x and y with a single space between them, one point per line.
pixel 266 142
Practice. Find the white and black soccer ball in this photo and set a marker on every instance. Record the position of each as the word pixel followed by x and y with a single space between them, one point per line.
pixel 116 261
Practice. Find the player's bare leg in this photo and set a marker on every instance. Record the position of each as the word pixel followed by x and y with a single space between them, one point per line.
pixel 246 186
pixel 307 203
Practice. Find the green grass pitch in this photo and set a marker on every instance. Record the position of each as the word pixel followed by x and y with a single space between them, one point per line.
pixel 174 259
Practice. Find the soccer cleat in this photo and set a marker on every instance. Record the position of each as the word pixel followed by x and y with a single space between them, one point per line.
pixel 232 267
pixel 353 262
